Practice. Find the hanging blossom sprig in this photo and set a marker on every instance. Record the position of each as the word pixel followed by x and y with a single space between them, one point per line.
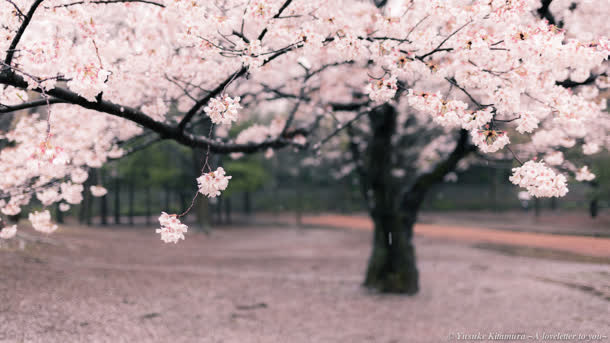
pixel 539 180
pixel 172 230
pixel 222 110
pixel 212 183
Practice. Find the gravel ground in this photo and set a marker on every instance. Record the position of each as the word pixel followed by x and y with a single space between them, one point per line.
pixel 283 285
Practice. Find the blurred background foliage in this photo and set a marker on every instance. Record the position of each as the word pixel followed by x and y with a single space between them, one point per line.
pixel 162 178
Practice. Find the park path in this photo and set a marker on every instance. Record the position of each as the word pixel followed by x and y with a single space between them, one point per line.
pixel 581 245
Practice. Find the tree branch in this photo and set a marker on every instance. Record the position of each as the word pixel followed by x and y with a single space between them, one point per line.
pixel 108 2
pixel 415 195
pixel 164 130
pixel 26 105
pixel 545 13
pixel 26 21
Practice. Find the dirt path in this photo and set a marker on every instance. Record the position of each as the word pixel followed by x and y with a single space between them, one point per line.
pixel 588 246
pixel 268 285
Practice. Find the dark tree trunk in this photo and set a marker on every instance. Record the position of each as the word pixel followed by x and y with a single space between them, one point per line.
pixel 593 208
pixel 537 208
pixel 84 205
pixel 148 206
pixel 89 208
pixel 593 204
pixel 167 199
pixel 247 204
pixel 391 266
pixel 59 214
pixel 103 202
pixel 131 193
pixel 227 210
pixel 88 197
pixel 117 200
pixel 218 210
pixel 299 205
pixel 183 203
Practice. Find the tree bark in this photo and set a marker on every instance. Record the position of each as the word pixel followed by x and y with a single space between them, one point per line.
pixel 247 203
pixel 391 267
pixel 59 214
pixel 227 202
pixel 218 210
pixel 148 206
pixel 103 201
pixel 131 193
pixel 117 200
pixel 167 198
pixel 88 197
pixel 594 203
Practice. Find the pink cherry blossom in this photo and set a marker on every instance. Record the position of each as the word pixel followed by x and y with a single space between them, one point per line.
pixel 8 232
pixel 212 183
pixel 172 230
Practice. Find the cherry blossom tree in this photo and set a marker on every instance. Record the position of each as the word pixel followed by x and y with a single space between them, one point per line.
pixel 409 90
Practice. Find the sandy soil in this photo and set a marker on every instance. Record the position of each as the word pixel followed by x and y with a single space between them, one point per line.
pixel 589 246
pixel 264 284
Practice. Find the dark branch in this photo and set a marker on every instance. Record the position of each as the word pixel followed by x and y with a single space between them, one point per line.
pixel 26 21
pixel 164 130
pixel 203 101
pixel 108 2
pixel 571 84
pixel 415 195
pixel 26 105
pixel 277 15
pixel 545 13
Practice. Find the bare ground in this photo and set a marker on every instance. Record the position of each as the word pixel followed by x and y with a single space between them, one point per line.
pixel 266 284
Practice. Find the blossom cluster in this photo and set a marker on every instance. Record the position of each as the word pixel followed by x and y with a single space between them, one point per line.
pixel 583 174
pixel 41 221
pixel 539 180
pixel 172 230
pixel 212 183
pixel 489 140
pixel 8 232
pixel 382 90
pixel 98 191
pixel 223 110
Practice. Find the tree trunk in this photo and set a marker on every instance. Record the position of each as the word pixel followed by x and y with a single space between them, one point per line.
pixel 148 206
pixel 247 203
pixel 183 203
pixel 88 197
pixel 593 208
pixel 593 204
pixel 227 210
pixel 117 200
pixel 391 267
pixel 103 202
pixel 537 208
pixel 167 199
pixel 131 193
pixel 59 214
pixel 218 210
pixel 299 205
